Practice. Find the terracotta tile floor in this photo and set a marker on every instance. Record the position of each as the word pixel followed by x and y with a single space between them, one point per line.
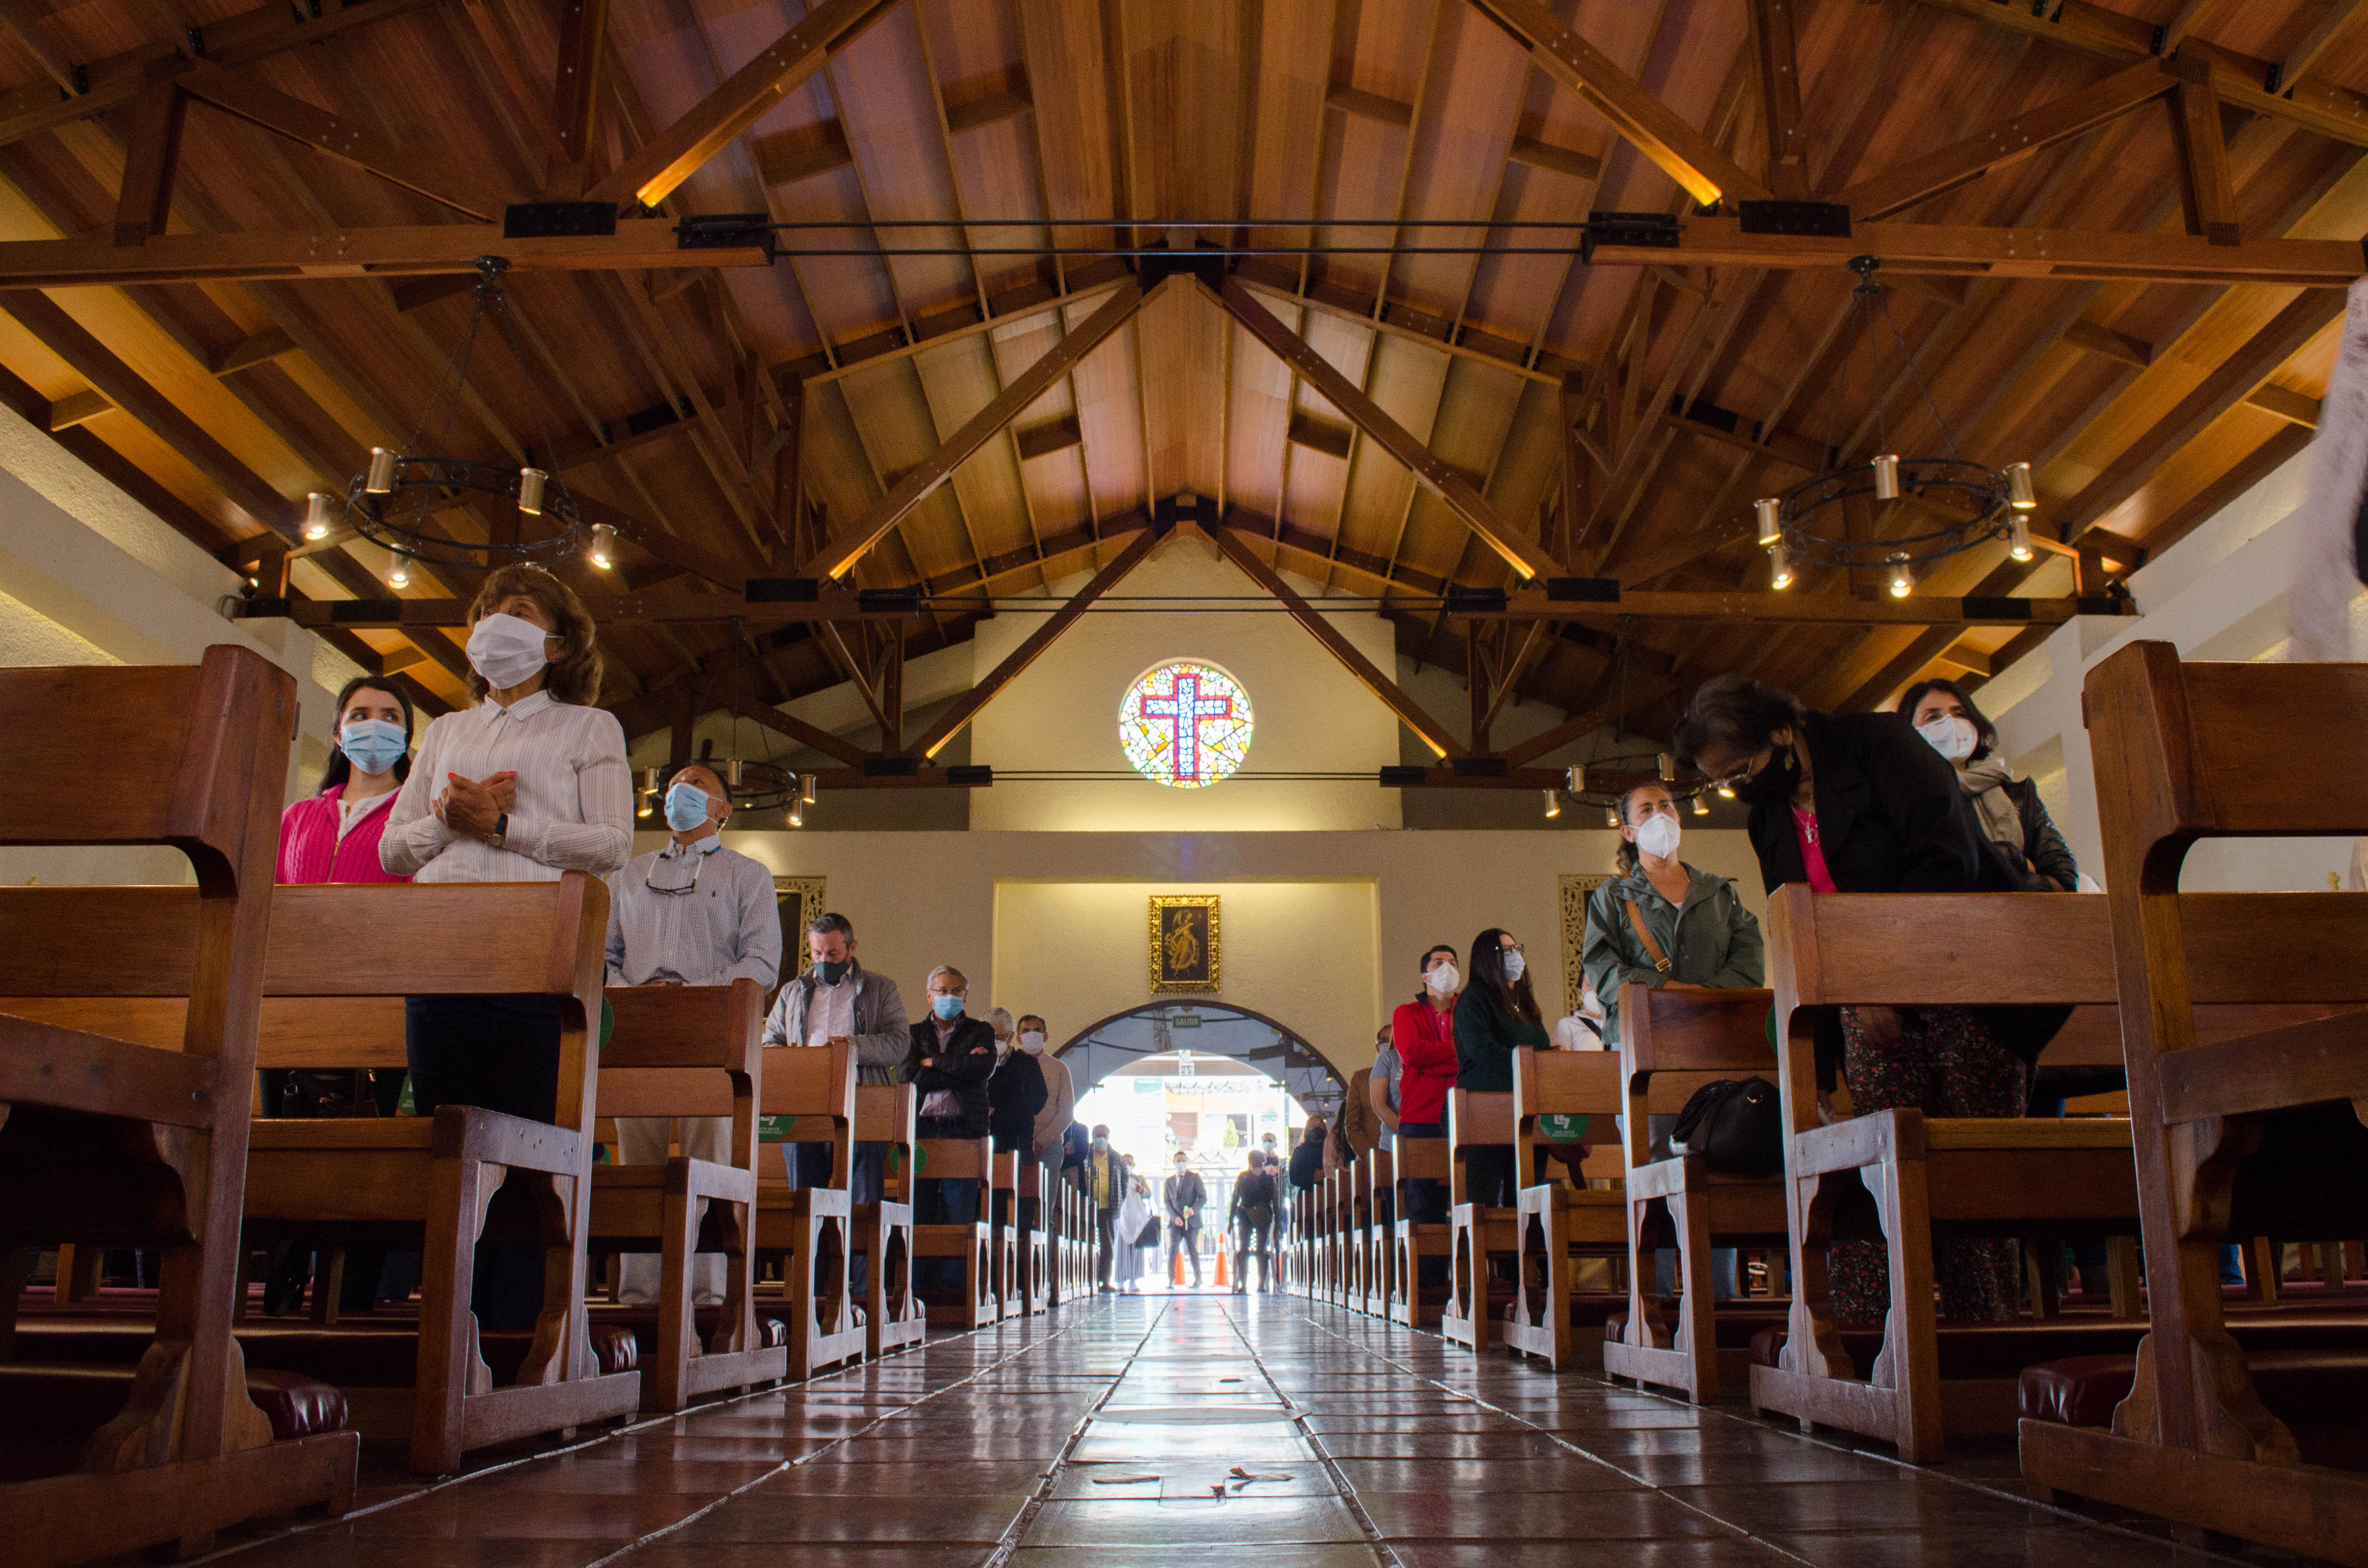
pixel 1131 1429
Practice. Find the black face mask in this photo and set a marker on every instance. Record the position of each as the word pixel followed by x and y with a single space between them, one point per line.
pixel 1774 782
pixel 833 970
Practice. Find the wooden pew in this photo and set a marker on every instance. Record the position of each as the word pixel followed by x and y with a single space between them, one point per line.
pixel 812 1229
pixel 1554 1223
pixel 2224 1128
pixel 1673 1043
pixel 1477 1232
pixel 1001 1190
pixel 109 1141
pixel 1984 1175
pixel 1351 1201
pixel 894 1318
pixel 1418 1159
pixel 1033 1239
pixel 684 1052
pixel 1376 1239
pixel 968 1239
pixel 442 1182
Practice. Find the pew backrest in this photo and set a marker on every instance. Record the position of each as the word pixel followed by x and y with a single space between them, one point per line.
pixel 888 1113
pixel 1673 1042
pixel 687 1050
pixel 1474 1120
pixel 1561 1083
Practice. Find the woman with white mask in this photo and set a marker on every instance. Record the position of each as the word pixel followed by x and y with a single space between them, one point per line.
pixel 530 783
pixel 1495 1014
pixel 1661 921
pixel 2011 815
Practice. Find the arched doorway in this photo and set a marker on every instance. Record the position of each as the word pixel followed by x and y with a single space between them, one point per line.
pixel 1205 1028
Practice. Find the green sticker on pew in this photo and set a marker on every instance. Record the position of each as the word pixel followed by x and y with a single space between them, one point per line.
pixel 608 1023
pixel 1562 1128
pixel 774 1129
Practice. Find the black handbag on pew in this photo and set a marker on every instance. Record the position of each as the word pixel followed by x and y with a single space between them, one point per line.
pixel 1735 1125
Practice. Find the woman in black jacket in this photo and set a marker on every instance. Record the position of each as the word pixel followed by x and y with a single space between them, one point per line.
pixel 1858 803
pixel 2011 813
pixel 1496 1016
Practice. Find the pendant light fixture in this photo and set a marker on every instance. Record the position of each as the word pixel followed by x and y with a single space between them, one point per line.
pixel 395 500
pixel 317 515
pixel 1951 503
pixel 1554 804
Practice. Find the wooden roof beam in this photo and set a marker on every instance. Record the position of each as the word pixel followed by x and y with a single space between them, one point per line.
pixel 2257 86
pixel 346 140
pixel 1680 150
pixel 1344 394
pixel 2080 254
pixel 840 554
pixel 813 737
pixel 1436 735
pixel 2205 192
pixel 1780 97
pixel 967 706
pixel 583 54
pixel 92 360
pixel 2336 23
pixel 2012 140
pixel 399 251
pixel 650 175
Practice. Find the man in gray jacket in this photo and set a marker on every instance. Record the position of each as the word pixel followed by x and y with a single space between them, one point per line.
pixel 838 999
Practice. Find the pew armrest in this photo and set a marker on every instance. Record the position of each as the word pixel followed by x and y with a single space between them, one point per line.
pixel 471 1132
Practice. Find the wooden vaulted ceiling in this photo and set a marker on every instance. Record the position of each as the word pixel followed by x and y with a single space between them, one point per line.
pixel 1618 417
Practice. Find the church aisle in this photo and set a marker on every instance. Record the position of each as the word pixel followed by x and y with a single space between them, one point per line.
pixel 1138 1429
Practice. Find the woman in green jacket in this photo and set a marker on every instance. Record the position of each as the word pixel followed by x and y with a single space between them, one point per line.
pixel 1496 1015
pixel 1694 917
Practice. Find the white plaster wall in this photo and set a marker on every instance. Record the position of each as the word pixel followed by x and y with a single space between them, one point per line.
pixel 2218 594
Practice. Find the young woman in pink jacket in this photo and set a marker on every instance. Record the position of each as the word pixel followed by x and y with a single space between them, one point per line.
pixel 332 837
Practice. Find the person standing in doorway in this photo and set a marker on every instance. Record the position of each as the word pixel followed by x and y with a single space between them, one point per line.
pixel 1250 1217
pixel 1106 1183
pixel 691 913
pixel 1184 1197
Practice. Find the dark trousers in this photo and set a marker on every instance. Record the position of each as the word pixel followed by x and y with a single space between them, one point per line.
pixel 1250 1238
pixel 867 1181
pixel 1105 1227
pixel 950 1200
pixel 1425 1200
pixel 500 1053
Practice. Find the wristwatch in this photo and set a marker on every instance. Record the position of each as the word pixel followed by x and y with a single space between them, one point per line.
pixel 501 830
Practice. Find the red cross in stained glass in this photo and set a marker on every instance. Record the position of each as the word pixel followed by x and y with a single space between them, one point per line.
pixel 1186 712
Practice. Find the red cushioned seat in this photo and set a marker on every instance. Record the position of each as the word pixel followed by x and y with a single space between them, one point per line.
pixel 2080 1390
pixel 2317 1393
pixel 772 1334
pixel 615 1347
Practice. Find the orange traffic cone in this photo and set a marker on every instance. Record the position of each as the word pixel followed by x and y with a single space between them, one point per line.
pixel 1225 1270
pixel 1176 1272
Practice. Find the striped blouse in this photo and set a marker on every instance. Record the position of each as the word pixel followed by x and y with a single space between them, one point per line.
pixel 575 809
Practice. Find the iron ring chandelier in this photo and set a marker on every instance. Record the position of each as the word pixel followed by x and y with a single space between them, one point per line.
pixel 1966 504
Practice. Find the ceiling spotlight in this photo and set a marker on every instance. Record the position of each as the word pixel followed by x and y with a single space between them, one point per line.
pixel 1575 780
pixel 1554 804
pixel 1726 791
pixel 1668 768
pixel 651 777
pixel 1886 477
pixel 1780 567
pixel 381 480
pixel 806 790
pixel 731 772
pixel 603 549
pixel 648 802
pixel 1901 583
pixel 797 813
pixel 399 575
pixel 317 515
pixel 2018 493
pixel 1770 512
pixel 1702 806
pixel 1611 816
pixel 2017 537
pixel 531 481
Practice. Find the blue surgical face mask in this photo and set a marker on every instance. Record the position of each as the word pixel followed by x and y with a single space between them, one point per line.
pixel 372 744
pixel 947 1007
pixel 685 807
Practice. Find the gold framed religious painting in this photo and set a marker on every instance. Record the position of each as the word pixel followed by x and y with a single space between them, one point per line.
pixel 1574 890
pixel 1185 942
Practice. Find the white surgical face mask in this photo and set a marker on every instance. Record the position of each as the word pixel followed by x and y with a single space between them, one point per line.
pixel 507 650
pixel 1515 965
pixel 1952 737
pixel 1444 979
pixel 1032 1043
pixel 1657 836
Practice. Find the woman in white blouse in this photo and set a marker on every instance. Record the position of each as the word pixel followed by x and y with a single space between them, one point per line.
pixel 530 782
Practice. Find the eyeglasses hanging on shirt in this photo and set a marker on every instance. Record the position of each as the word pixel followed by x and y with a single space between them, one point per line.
pixel 698 860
